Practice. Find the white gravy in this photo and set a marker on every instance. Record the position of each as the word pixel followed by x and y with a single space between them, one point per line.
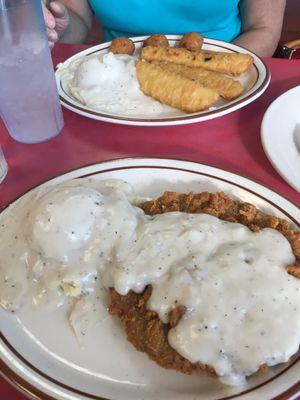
pixel 243 308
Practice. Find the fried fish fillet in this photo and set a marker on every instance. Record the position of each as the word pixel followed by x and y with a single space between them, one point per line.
pixel 173 89
pixel 226 87
pixel 229 63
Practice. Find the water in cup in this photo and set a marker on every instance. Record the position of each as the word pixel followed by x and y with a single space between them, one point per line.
pixel 29 102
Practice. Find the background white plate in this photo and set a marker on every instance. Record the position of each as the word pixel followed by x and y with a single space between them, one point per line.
pixel 255 81
pixel 38 350
pixel 280 135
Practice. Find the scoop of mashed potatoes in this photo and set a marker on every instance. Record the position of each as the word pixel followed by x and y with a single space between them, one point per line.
pixel 63 221
pixel 108 83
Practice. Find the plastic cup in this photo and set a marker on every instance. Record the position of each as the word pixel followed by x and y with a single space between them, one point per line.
pixel 29 101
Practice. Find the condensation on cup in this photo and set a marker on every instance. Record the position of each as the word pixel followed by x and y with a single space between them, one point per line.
pixel 29 102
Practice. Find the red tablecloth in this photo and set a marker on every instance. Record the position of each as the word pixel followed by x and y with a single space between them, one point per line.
pixel 231 142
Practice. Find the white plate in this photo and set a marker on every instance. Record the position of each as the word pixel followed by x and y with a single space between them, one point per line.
pixel 39 353
pixel 280 135
pixel 255 81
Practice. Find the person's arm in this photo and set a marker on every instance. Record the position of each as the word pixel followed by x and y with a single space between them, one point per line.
pixel 67 21
pixel 80 15
pixel 261 25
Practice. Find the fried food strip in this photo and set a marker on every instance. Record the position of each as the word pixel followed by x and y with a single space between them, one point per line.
pixel 173 89
pixel 229 63
pixel 226 87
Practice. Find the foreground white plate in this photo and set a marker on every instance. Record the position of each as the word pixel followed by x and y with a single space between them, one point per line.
pixel 39 353
pixel 280 135
pixel 255 82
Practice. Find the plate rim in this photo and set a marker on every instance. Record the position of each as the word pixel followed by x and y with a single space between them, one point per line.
pixel 156 158
pixel 26 386
pixel 264 134
pixel 263 73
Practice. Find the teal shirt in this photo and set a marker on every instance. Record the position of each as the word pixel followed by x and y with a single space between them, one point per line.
pixel 215 19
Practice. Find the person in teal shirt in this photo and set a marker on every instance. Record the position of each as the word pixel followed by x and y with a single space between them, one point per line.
pixel 254 24
pixel 213 19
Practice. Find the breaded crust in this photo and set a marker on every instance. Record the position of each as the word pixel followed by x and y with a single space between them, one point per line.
pixel 142 326
pixel 173 89
pixel 226 87
pixel 233 64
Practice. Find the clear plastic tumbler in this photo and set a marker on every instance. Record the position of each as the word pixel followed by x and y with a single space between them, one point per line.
pixel 29 102
pixel 3 166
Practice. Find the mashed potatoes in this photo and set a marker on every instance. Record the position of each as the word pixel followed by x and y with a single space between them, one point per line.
pixel 108 83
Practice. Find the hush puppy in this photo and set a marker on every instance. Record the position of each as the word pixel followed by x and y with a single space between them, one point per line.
pixel 191 41
pixel 122 45
pixel 157 40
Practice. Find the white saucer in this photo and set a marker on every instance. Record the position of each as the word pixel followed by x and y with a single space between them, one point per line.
pixel 280 135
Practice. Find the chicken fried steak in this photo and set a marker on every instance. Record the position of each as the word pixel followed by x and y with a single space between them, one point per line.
pixel 143 327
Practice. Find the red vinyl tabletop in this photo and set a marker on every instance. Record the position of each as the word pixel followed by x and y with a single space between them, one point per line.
pixel 231 142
